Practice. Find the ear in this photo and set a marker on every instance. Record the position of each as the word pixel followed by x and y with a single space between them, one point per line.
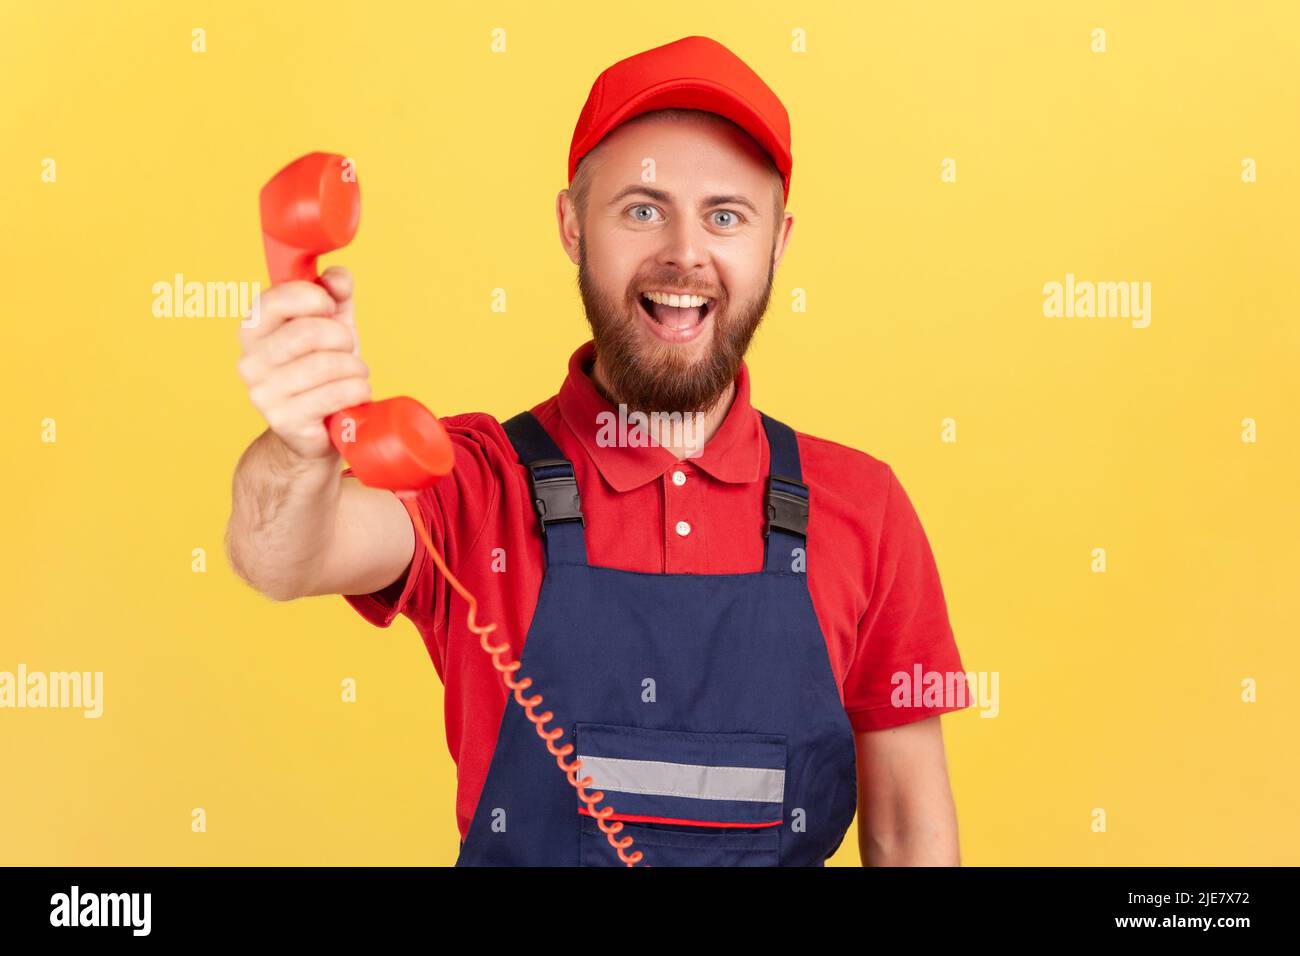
pixel 566 218
pixel 784 228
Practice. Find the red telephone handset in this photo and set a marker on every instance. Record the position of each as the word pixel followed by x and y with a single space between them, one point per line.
pixel 312 207
pixel 309 208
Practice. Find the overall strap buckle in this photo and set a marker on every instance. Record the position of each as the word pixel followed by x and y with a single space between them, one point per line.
pixel 787 505
pixel 555 496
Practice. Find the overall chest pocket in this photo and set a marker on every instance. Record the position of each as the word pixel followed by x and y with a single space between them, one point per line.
pixel 685 798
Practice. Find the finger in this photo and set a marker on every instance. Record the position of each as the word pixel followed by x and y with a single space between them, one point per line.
pixel 309 333
pixel 300 337
pixel 316 369
pixel 280 303
pixel 339 283
pixel 326 399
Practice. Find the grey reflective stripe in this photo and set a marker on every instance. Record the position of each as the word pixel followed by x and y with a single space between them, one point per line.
pixel 685 779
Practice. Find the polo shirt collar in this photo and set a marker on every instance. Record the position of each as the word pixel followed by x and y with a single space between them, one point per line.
pixel 733 454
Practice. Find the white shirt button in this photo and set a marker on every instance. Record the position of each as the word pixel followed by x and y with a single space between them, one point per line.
pixel 683 528
pixel 679 477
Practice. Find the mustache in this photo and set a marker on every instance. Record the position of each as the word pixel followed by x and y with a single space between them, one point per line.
pixel 676 285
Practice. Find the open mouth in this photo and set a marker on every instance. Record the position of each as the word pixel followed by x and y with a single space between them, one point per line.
pixel 689 311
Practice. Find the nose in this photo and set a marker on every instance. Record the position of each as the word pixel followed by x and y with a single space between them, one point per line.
pixel 685 246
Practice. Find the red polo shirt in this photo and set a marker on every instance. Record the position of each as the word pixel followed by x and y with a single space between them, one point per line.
pixel 871 574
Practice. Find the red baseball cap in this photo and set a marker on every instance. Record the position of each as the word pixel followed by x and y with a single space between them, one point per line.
pixel 694 72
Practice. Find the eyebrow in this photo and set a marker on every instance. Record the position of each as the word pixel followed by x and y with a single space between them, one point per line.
pixel 660 196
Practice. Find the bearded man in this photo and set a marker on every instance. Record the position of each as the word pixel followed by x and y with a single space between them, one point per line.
pixel 717 616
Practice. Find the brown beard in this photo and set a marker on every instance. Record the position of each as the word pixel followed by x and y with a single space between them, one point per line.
pixel 658 379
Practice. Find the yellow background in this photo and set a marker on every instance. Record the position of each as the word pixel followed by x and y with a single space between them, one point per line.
pixel 1118 691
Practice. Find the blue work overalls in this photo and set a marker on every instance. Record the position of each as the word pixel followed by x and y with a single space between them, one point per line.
pixel 702 705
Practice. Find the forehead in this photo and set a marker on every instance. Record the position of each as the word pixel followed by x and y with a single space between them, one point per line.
pixel 704 154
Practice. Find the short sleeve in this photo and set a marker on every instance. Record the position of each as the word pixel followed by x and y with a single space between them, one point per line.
pixel 906 666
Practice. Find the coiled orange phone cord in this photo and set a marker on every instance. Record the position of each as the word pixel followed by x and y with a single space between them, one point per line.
pixel 507 670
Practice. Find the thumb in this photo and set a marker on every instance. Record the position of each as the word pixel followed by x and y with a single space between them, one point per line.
pixel 338 283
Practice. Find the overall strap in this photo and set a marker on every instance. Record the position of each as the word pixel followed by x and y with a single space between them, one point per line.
pixel 554 489
pixel 786 527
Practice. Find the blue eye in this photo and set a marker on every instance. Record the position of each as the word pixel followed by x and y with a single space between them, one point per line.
pixel 636 212
pixel 726 212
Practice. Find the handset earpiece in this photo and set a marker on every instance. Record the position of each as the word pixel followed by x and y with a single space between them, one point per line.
pixel 309 208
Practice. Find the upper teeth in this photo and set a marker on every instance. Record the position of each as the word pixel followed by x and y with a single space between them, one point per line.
pixel 677 301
